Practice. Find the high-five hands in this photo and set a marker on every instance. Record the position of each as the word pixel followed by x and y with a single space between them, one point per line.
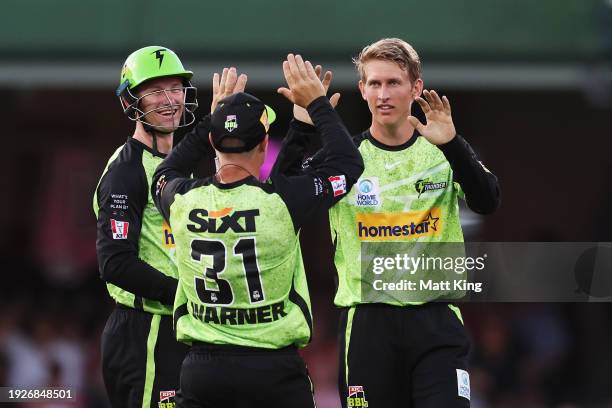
pixel 304 83
pixel 440 128
pixel 229 84
pixel 300 113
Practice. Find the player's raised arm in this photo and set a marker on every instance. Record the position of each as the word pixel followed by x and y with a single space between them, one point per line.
pixel 480 186
pixel 333 177
pixel 302 135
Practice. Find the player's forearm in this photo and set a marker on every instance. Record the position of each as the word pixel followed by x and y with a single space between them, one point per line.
pixel 294 148
pixel 480 186
pixel 130 273
pixel 342 156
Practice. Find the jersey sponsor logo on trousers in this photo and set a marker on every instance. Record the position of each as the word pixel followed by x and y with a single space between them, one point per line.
pixel 119 229
pixel 232 316
pixel 356 396
pixel 399 226
pixel 223 220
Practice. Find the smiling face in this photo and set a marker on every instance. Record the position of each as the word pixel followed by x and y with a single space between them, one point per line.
pixel 163 103
pixel 389 92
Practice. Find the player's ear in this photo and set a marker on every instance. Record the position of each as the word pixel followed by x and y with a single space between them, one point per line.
pixel 417 88
pixel 362 89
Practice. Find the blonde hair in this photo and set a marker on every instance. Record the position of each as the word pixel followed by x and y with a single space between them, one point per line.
pixel 390 49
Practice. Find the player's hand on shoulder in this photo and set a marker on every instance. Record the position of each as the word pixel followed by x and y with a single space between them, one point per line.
pixel 227 84
pixel 304 84
pixel 439 128
pixel 300 113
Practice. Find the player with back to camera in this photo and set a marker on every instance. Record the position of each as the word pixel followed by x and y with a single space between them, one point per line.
pixel 242 300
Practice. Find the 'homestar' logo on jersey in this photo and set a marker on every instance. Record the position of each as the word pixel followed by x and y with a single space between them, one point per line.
pixel 168 241
pixel 422 186
pixel 218 222
pixel 399 226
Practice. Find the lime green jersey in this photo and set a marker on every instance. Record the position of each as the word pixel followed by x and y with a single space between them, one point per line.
pixel 135 244
pixel 405 194
pixel 242 280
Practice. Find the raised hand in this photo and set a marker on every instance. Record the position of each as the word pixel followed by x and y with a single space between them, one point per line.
pixel 304 84
pixel 229 84
pixel 440 128
pixel 300 113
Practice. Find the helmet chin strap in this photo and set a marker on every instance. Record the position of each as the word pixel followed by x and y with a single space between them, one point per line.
pixel 151 130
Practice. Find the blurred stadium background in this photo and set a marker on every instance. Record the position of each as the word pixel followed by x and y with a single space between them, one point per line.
pixel 530 83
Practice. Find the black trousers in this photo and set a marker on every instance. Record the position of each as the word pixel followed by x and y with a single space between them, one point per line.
pixel 226 376
pixel 141 359
pixel 409 357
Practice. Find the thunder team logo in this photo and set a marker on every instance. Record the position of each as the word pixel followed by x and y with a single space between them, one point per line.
pixel 422 186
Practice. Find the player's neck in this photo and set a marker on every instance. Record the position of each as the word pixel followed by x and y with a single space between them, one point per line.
pixel 163 141
pixel 392 135
pixel 230 171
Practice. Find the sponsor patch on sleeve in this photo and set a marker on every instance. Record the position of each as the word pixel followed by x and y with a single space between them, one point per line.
pixel 119 229
pixel 338 184
pixel 463 384
pixel 119 202
pixel 306 163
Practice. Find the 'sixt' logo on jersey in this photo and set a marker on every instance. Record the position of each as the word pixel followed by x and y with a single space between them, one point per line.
pixel 219 222
pixel 422 186
pixel 398 226
pixel 168 238
pixel 231 123
pixel 368 192
pixel 356 396
pixel 166 399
